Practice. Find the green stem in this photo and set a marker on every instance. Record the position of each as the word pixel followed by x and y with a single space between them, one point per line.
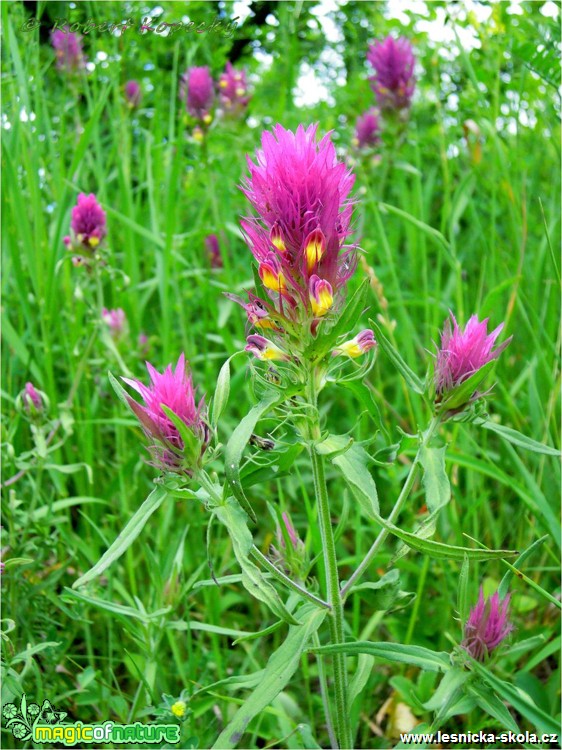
pixel 408 484
pixel 336 619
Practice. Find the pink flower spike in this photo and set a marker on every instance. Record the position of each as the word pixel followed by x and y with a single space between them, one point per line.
pixel 88 225
pixel 213 250
pixel 133 93
pixel 196 90
pixel 68 50
pixel 394 82
pixel 174 389
pixel 367 129
pixel 463 353
pixel 300 192
pixel 116 320
pixel 487 626
pixel 233 90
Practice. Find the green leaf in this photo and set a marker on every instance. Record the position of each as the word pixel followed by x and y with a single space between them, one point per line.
pixel 279 670
pixel 334 445
pixel 222 392
pixel 235 448
pixel 191 443
pixel 234 519
pixel 353 466
pixel 517 438
pixel 442 551
pixel 448 690
pixel 462 394
pixel 387 589
pixel 126 537
pixel 492 705
pixel 47 510
pixel 415 383
pixel 520 701
pixel 118 609
pixel 416 656
pixel 365 664
pixel 435 480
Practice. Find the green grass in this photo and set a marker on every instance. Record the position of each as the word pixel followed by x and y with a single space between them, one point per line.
pixel 442 227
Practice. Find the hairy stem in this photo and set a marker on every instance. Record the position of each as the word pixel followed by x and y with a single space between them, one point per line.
pixel 336 619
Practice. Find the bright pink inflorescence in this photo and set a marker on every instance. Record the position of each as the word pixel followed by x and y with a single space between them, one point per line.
pixel 116 321
pixel 463 353
pixel 197 91
pixel 174 389
pixel 88 224
pixel 31 399
pixel 394 81
pixel 233 90
pixel 133 93
pixel 300 192
pixel 68 49
pixel 213 250
pixel 367 129
pixel 487 626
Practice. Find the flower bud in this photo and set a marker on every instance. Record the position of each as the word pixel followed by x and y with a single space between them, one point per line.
pixel 261 348
pixel 321 297
pixel 357 346
pixel 487 626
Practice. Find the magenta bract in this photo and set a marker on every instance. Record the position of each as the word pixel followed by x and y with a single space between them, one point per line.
pixel 233 90
pixel 68 50
pixel 462 353
pixel 174 389
pixel 88 224
pixel 196 90
pixel 394 81
pixel 487 626
pixel 133 93
pixel 300 192
pixel 367 129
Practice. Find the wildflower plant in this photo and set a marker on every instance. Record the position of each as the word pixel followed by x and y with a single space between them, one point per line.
pixel 304 337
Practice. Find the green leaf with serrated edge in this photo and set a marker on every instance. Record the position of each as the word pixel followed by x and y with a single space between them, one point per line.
pixel 409 376
pixel 415 656
pixel 463 605
pixel 435 480
pixel 234 519
pixel 517 438
pixel 235 447
pixel 520 700
pixel 442 551
pixel 492 705
pixel 126 537
pixel 353 467
pixel 365 664
pixel 461 394
pixel 326 340
pixel 280 668
pixel 503 588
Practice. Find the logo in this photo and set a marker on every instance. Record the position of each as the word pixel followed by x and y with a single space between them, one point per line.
pixel 44 724
pixel 22 722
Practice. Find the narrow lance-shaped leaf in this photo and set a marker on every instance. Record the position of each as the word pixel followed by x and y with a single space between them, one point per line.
pixel 409 376
pixel 353 466
pixel 279 670
pixel 517 438
pixel 126 537
pixel 235 520
pixel 235 447
pixel 416 656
